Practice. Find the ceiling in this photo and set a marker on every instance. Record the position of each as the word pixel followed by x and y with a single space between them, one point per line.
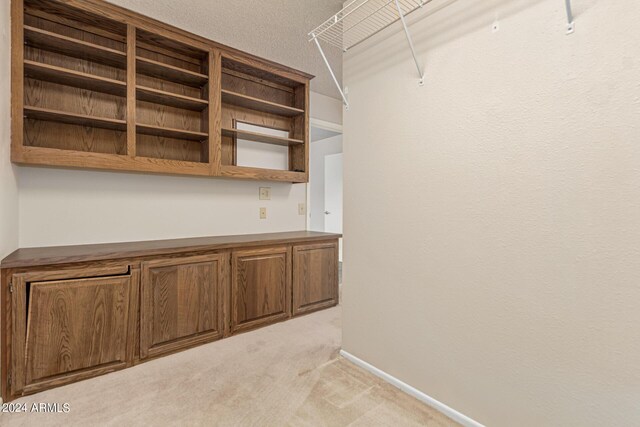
pixel 273 29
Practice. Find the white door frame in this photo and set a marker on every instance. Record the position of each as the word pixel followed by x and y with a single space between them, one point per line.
pixel 320 124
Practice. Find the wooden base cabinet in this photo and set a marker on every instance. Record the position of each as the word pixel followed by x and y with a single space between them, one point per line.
pixel 70 325
pixel 75 312
pixel 182 303
pixel 315 277
pixel 261 287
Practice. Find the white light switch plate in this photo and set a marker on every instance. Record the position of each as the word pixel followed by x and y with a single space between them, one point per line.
pixel 263 213
pixel 301 209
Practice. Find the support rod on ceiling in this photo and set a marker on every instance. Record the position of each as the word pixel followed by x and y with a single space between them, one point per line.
pixel 335 80
pixel 413 51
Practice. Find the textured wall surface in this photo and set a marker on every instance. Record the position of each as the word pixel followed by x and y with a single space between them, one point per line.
pixel 492 217
pixel 274 29
pixel 59 207
pixel 325 108
pixel 8 187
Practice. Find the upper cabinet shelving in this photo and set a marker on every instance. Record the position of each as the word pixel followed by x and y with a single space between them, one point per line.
pixel 260 97
pixel 172 99
pixel 97 86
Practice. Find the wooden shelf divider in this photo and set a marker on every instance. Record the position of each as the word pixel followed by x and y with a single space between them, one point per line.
pixel 154 130
pixel 260 137
pixel 171 99
pixel 157 69
pixel 64 76
pixel 74 119
pixel 253 103
pixel 68 46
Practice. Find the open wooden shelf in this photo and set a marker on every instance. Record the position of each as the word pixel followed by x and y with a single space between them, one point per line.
pixel 152 68
pixel 261 137
pixel 73 119
pixel 99 87
pixel 157 96
pixel 68 46
pixel 64 76
pixel 170 133
pixel 250 102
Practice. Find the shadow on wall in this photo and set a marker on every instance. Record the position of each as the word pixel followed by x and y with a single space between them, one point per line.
pixel 445 25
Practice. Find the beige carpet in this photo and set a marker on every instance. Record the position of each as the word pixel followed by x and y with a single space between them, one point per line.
pixel 285 374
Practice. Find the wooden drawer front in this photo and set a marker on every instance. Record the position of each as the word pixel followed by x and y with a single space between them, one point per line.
pixel 315 277
pixel 261 287
pixel 182 303
pixel 70 329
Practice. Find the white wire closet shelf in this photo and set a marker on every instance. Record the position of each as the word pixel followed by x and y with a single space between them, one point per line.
pixel 361 19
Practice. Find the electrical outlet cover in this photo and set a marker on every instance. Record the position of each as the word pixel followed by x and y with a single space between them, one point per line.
pixel 263 213
pixel 265 193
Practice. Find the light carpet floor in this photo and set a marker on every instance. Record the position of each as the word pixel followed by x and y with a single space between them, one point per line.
pixel 288 374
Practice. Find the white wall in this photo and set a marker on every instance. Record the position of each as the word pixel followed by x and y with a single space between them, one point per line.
pixel 325 108
pixel 492 217
pixel 317 153
pixel 59 207
pixel 8 188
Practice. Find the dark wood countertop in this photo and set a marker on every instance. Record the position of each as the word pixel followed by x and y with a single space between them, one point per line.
pixel 29 257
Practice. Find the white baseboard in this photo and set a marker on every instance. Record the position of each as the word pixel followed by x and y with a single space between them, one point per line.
pixel 436 404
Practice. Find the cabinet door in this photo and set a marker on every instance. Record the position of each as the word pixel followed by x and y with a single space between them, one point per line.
pixel 182 303
pixel 261 287
pixel 67 327
pixel 315 277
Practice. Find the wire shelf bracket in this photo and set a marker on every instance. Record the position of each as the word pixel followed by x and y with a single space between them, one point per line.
pixel 410 41
pixel 571 26
pixel 333 75
pixel 362 19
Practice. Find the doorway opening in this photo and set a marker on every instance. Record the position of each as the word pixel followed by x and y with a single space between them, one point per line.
pixel 325 180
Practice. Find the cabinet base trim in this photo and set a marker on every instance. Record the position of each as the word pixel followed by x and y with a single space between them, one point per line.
pixel 182 343
pixel 64 379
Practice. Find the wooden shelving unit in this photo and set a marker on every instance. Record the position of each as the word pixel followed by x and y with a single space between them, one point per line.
pixel 259 97
pixel 97 86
